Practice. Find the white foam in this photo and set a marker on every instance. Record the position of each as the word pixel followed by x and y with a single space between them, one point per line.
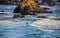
pixel 46 24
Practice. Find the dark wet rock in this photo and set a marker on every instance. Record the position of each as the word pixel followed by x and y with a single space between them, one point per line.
pixel 17 16
pixel 41 17
pixel 58 0
pixel 4 2
pixel 2 14
pixel 46 10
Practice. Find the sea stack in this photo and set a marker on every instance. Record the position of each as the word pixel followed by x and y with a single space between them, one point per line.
pixel 29 7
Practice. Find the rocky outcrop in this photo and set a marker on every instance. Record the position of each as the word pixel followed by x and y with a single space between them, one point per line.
pixel 29 7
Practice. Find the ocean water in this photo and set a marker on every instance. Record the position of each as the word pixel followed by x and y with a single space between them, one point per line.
pixel 23 28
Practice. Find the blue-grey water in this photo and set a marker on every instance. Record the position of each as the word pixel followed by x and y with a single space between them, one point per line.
pixel 20 28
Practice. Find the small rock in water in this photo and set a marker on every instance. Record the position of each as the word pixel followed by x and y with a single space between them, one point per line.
pixel 41 17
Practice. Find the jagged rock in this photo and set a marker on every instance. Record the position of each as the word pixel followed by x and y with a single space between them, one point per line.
pixel 29 7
